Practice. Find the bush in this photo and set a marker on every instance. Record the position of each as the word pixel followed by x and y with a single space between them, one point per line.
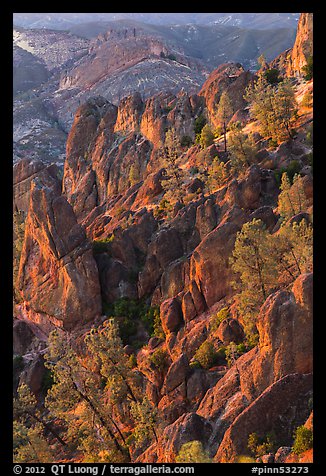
pixel 47 381
pixel 310 135
pixel 163 209
pixel 260 446
pixel 193 171
pixel 221 354
pixel 206 355
pixel 218 318
pixel 206 137
pixel 272 75
pixel 128 313
pixel 199 124
pixel 102 246
pixel 308 69
pixel 186 141
pixel 293 168
pixel 245 459
pixel 159 360
pixel 307 100
pixel 303 440
pixel 193 452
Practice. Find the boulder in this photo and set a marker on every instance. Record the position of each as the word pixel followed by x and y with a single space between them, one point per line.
pixel 176 374
pixel 188 307
pixel 171 315
pixel 22 337
pixel 209 264
pixel 188 427
pixel 282 453
pixel 266 215
pixel 230 330
pixel 33 375
pixel 24 172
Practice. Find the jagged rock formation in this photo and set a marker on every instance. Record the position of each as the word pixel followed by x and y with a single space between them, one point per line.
pixel 292 61
pixel 58 278
pixel 231 78
pixel 24 172
pixel 233 407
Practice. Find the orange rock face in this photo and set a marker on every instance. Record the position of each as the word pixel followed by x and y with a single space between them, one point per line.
pixel 58 278
pixel 303 46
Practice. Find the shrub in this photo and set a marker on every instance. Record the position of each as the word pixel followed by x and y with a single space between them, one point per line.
pixel 47 381
pixel 132 361
pixel 186 141
pixel 307 100
pixel 303 440
pixel 293 168
pixel 199 124
pixel 221 354
pixel 218 318
pixel 102 246
pixel 195 365
pixel 206 355
pixel 252 340
pixel 245 459
pixel 308 69
pixel 272 75
pixel 128 313
pixel 260 446
pixel 157 326
pixel 159 360
pixel 192 452
pixel 309 135
pixel 193 171
pixel 206 137
pixel 163 209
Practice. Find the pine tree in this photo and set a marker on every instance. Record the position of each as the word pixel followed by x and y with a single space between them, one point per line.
pixel 78 384
pixel 224 113
pixel 206 137
pixel 174 180
pixel 294 250
pixel 146 417
pixel 26 408
pixel 106 348
pixel 274 106
pixel 286 108
pixel 30 445
pixel 217 174
pixel 242 148
pixel 254 261
pixel 260 98
pixel 292 199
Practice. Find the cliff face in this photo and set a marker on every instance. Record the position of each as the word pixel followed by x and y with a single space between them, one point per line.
pixel 292 61
pixel 303 46
pixel 58 280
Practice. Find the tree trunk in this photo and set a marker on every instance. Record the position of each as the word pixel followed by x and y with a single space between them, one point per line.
pixel 224 132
